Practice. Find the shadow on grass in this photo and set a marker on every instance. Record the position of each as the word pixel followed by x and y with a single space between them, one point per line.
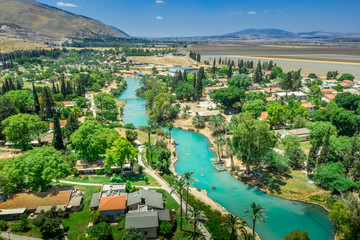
pixel 130 177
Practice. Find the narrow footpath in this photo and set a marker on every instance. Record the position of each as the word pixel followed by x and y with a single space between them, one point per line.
pixel 166 187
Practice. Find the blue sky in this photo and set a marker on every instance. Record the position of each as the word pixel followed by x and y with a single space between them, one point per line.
pixel 163 18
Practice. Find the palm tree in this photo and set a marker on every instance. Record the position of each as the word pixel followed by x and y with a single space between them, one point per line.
pixel 256 213
pixel 220 142
pixel 235 223
pixel 197 216
pixel 178 186
pixel 188 177
pixel 230 151
pixel 170 126
pixel 198 121
pixel 150 150
pixel 217 124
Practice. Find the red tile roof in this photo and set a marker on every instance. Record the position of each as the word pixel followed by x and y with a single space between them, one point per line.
pixel 275 89
pixel 263 115
pixel 255 85
pixel 269 99
pixel 330 96
pixel 62 123
pixel 346 81
pixel 307 105
pixel 34 200
pixel 328 90
pixel 112 203
pixel 69 102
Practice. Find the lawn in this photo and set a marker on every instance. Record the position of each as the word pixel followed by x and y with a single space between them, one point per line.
pixel 77 222
pixel 305 146
pixel 135 179
pixel 33 232
pixel 297 187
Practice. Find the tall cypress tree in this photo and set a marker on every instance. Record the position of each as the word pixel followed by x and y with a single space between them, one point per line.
pixel 72 125
pixel 184 77
pixel 63 88
pixel 229 74
pixel 57 140
pixel 47 104
pixel 324 157
pixel 36 100
pixel 199 85
pixel 194 82
pixel 312 158
pixel 213 70
pixel 257 78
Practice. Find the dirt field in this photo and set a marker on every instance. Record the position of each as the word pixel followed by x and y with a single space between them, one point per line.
pixel 11 44
pixel 167 61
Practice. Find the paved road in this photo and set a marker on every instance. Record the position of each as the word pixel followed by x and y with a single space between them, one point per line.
pixel 166 186
pixel 92 108
pixel 5 235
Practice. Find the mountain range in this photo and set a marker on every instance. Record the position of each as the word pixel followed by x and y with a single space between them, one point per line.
pixel 29 19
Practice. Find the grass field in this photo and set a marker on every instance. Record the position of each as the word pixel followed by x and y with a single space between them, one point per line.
pixel 297 187
pixel 77 222
pixel 135 179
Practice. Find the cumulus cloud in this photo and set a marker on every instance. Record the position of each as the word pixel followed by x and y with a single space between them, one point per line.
pixel 62 4
pixel 159 1
pixel 252 12
pixel 159 18
pixel 235 13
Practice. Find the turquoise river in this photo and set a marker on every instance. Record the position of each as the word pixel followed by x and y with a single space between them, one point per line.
pixel 194 155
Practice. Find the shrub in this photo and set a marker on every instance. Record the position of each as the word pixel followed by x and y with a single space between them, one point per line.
pixel 140 169
pixel 3 225
pixel 101 230
pixel 129 126
pixel 165 228
pixel 100 172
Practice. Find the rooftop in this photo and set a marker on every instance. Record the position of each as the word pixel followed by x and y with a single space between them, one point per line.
pixel 142 220
pixel 62 123
pixel 112 203
pixel 307 105
pixel 152 198
pixel 47 208
pixel 95 200
pixel 12 211
pixel 34 200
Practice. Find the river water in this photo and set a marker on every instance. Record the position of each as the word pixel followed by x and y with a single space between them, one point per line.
pixel 194 155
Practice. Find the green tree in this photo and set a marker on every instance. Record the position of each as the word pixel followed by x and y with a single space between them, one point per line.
pixel 255 107
pixel 161 107
pixel 40 166
pixel 22 99
pixel 199 85
pixel 121 152
pixel 7 109
pixel 217 124
pixel 185 90
pixel 256 214
pixel 319 130
pixel 198 121
pixel 252 139
pixel 20 128
pixel 292 149
pixel 131 135
pixel 47 104
pixel 49 222
pixel 312 160
pixel 242 81
pixel 36 100
pixel 220 141
pixel 197 216
pixel 72 125
pixel 178 186
pixel 57 140
pixel 188 177
pixel 346 216
pixel 132 234
pixel 91 140
pixel 236 223
pixel 230 151
pixel 3 225
pixel 169 126
pixel 297 234
pixel 325 150
pixel 346 76
pixel 276 114
pixel 257 78
pixel 165 228
pixel 101 230
pixel 104 101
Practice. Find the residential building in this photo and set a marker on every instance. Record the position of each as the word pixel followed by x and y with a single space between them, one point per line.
pixel 151 199
pixel 182 69
pixel 310 107
pixel 69 103
pixel 328 91
pixel 62 124
pixel 272 90
pixel 263 116
pixel 288 94
pixel 302 133
pixel 330 96
pixel 11 214
pixel 255 86
pixel 145 222
pixel 347 83
pixel 107 190
pixel 112 207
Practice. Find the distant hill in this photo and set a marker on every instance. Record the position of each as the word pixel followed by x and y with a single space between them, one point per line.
pixel 261 33
pixel 32 20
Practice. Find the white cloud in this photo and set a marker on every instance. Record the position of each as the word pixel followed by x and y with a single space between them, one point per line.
pixel 62 4
pixel 159 1
pixel 252 12
pixel 266 11
pixel 159 18
pixel 235 13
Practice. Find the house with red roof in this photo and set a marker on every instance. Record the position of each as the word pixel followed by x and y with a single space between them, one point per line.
pixel 112 206
pixel 347 84
pixel 255 86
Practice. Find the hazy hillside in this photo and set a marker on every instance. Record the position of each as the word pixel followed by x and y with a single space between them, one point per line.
pixel 261 33
pixel 36 21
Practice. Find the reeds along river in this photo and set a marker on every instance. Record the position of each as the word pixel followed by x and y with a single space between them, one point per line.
pixel 195 155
